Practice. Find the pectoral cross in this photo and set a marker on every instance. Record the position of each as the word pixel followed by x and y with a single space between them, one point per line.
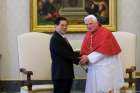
pixel 91 43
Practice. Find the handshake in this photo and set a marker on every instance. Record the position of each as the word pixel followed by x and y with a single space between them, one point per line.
pixel 83 60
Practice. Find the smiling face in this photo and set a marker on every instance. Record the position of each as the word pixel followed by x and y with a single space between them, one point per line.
pixel 91 25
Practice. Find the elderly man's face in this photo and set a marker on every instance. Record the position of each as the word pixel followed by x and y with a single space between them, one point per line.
pixel 91 25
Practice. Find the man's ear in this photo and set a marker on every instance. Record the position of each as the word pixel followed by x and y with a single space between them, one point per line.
pixel 55 26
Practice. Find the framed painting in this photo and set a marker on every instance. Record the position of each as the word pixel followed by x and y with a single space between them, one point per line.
pixel 44 12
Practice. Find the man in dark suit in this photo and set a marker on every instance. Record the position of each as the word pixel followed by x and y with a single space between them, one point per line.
pixel 63 58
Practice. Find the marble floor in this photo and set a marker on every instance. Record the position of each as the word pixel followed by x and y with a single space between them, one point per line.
pixel 80 92
pixel 43 92
pixel 71 92
pixel 40 92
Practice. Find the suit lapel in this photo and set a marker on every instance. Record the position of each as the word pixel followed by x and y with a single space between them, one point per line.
pixel 64 40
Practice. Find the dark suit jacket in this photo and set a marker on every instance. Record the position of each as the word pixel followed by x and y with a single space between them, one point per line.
pixel 63 58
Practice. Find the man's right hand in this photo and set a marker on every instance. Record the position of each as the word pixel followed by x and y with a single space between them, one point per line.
pixel 83 60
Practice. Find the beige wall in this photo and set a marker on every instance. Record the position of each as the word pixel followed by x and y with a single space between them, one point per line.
pixel 15 17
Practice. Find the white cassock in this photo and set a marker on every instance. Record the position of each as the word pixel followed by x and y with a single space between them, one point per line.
pixel 104 73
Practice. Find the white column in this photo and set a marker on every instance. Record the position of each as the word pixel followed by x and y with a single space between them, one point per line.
pixel 128 18
pixel 15 21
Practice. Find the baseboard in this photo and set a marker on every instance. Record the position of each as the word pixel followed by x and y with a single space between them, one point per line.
pixel 14 85
pixel 10 85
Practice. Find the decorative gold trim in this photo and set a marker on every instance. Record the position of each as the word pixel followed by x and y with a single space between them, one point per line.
pixel 137 73
pixel 72 28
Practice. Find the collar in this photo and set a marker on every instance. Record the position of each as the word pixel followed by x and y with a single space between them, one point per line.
pixel 59 32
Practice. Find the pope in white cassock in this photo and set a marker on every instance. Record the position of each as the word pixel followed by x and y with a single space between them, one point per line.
pixel 100 52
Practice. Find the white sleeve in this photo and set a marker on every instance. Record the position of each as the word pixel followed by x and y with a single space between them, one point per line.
pixel 94 57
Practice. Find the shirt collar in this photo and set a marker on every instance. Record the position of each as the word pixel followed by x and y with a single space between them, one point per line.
pixel 60 34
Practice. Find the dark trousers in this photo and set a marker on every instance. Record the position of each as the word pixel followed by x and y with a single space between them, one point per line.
pixel 62 86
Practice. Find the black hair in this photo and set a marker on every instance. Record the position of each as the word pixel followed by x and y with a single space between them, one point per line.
pixel 58 19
